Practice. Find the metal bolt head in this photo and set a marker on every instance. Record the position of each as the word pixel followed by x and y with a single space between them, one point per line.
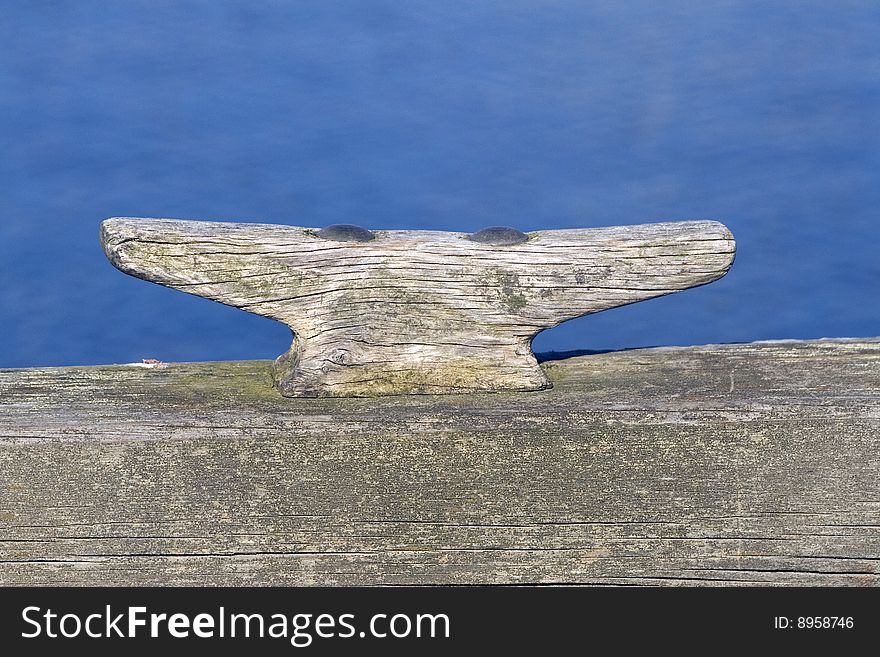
pixel 499 236
pixel 345 233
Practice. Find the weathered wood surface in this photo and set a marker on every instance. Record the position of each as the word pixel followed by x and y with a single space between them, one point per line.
pixel 735 464
pixel 416 311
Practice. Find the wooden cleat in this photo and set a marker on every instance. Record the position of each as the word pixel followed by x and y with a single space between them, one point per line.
pixel 414 311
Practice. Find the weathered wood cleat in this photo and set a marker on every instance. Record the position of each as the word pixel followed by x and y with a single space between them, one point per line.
pixel 414 311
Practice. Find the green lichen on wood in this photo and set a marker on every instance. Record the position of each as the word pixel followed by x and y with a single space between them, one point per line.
pixel 505 287
pixel 462 375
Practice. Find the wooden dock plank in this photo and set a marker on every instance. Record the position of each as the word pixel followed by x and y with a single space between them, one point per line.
pixel 724 464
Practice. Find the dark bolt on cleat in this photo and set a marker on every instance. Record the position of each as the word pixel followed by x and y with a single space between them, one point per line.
pixel 345 233
pixel 499 236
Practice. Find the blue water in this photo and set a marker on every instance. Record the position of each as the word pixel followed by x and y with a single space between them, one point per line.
pixel 437 115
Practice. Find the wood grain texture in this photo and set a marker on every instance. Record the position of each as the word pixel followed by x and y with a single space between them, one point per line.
pixel 734 464
pixel 415 312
